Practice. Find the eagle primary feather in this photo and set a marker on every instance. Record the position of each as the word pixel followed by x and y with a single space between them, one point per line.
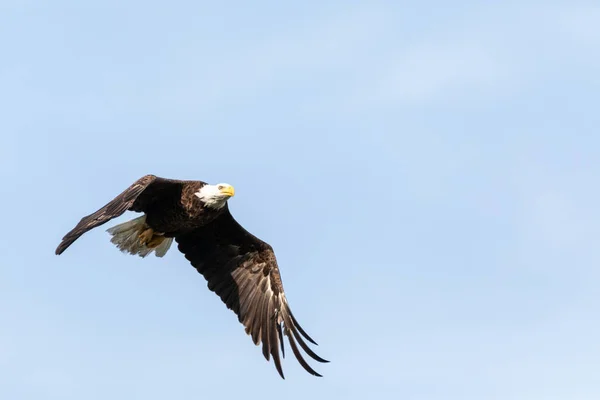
pixel 240 268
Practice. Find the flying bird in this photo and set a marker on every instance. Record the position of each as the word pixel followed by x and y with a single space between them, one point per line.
pixel 239 267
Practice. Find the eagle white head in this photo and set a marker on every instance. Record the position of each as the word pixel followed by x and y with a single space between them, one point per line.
pixel 215 196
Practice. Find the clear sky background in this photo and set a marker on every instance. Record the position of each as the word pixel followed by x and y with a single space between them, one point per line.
pixel 427 173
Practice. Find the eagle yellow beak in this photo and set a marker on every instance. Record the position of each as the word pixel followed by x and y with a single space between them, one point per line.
pixel 228 190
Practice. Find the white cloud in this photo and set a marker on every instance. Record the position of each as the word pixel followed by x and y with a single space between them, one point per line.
pixel 361 59
pixel 579 23
pixel 554 220
pixel 430 70
pixel 293 56
pixel 558 220
pixel 490 53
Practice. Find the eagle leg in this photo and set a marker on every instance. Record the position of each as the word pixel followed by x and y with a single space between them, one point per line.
pixel 146 236
pixel 151 239
pixel 155 241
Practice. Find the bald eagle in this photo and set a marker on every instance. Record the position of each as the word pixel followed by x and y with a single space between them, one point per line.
pixel 240 268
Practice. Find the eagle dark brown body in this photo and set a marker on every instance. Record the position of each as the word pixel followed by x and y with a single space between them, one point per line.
pixel 240 268
pixel 174 209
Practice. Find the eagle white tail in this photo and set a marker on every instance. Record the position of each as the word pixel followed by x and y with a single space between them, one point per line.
pixel 129 238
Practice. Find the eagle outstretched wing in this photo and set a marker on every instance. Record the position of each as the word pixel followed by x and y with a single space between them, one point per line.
pixel 242 270
pixel 113 209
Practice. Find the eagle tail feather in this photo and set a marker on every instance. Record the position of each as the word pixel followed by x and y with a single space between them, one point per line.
pixel 128 238
pixel 163 247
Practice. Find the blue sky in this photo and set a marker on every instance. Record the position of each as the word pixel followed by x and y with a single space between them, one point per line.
pixel 427 174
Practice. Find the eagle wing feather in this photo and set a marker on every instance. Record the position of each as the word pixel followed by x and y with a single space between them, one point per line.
pixel 242 270
pixel 113 209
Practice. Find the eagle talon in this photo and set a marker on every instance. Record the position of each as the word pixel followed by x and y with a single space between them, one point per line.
pixel 155 241
pixel 146 236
